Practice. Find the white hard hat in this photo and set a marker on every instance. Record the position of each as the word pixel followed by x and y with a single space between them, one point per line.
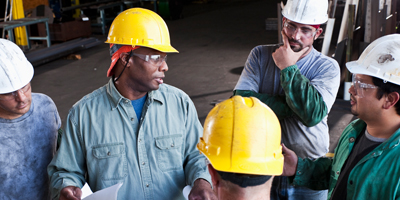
pixel 310 12
pixel 380 59
pixel 15 70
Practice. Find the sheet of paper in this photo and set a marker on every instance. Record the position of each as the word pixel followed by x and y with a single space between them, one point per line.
pixel 109 193
pixel 86 191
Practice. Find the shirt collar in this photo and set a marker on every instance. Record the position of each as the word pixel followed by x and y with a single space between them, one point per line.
pixel 391 142
pixel 116 97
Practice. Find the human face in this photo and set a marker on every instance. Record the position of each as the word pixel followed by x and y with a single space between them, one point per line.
pixel 363 100
pixel 147 75
pixel 12 108
pixel 300 35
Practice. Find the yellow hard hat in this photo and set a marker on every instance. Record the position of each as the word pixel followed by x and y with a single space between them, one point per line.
pixel 140 27
pixel 243 135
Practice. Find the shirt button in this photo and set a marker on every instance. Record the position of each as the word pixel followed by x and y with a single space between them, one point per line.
pixel 147 185
pixel 172 145
pixel 132 119
pixel 143 163
pixel 352 139
pixel 299 172
pixel 126 101
pixel 373 153
pixel 337 172
pixel 109 154
pixel 140 140
pixel 351 182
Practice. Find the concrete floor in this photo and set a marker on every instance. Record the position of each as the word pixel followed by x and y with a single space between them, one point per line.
pixel 214 40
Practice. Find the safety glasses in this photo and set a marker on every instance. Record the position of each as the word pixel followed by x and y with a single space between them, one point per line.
pixel 154 59
pixel 12 95
pixel 359 87
pixel 304 31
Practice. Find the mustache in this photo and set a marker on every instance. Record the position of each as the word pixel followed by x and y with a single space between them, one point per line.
pixel 295 41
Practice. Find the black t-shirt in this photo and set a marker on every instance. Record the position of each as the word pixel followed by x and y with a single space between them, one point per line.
pixel 363 145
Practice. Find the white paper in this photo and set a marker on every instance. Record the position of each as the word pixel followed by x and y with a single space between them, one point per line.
pixel 109 193
pixel 86 191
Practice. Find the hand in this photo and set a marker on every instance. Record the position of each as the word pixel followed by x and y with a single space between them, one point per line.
pixel 290 161
pixel 71 193
pixel 284 56
pixel 202 191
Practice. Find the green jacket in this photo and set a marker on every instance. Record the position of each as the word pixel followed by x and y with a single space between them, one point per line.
pixel 300 99
pixel 376 176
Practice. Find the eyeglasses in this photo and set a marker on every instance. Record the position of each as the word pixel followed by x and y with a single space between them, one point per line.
pixel 305 32
pixel 154 59
pixel 12 95
pixel 360 87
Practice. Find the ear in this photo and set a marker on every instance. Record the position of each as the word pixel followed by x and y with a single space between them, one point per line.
pixel 319 32
pixel 214 175
pixel 390 100
pixel 124 58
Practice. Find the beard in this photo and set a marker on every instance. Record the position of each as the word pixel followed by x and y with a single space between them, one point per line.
pixel 296 48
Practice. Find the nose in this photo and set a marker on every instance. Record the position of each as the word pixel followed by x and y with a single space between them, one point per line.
pixel 352 91
pixel 164 66
pixel 20 96
pixel 296 35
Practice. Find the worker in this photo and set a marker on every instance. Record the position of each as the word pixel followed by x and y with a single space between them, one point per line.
pixel 29 126
pixel 134 130
pixel 299 84
pixel 367 158
pixel 241 141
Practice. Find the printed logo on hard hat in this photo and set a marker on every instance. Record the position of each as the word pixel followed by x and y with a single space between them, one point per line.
pixel 384 58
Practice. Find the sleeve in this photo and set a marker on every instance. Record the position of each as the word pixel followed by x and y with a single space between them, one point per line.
pixel 302 97
pixel 313 174
pixel 276 103
pixel 68 165
pixel 250 76
pixel 194 165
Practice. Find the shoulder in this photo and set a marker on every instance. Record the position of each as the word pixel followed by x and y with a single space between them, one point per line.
pixel 90 99
pixel 264 49
pixel 169 91
pixel 324 61
pixel 42 100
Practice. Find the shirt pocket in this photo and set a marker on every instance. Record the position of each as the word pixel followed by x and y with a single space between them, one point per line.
pixel 169 152
pixel 110 159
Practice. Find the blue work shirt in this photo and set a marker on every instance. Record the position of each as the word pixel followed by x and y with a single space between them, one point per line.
pixel 154 162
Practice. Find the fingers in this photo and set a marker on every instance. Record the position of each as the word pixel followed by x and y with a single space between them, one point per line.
pixel 78 192
pixel 303 51
pixel 285 39
pixel 70 193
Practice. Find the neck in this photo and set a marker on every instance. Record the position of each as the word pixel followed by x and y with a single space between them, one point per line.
pixel 261 192
pixel 125 90
pixel 385 127
pixel 306 53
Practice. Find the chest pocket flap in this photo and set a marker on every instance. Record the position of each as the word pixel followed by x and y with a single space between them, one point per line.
pixel 169 141
pixel 108 151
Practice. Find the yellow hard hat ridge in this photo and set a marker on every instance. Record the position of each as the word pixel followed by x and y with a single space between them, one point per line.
pixel 140 27
pixel 243 135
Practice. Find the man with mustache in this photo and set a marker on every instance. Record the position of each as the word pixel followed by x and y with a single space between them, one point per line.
pixel 367 157
pixel 134 130
pixel 299 84
pixel 29 125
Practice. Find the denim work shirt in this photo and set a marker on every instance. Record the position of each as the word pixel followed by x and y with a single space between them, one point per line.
pixel 376 175
pixel 104 144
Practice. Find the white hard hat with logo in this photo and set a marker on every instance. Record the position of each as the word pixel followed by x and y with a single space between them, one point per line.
pixel 380 59
pixel 15 70
pixel 310 12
